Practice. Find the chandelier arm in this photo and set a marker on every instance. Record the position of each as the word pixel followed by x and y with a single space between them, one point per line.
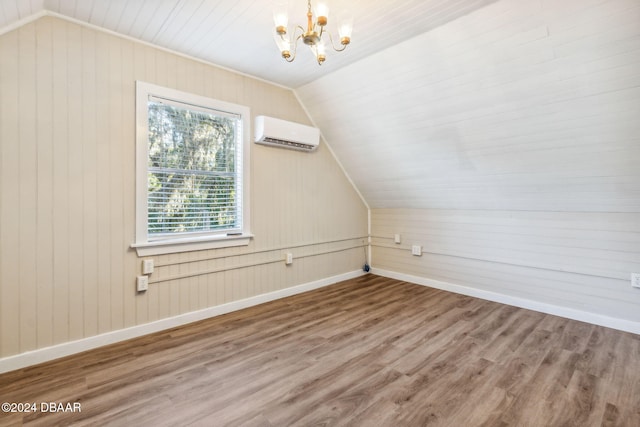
pixel 293 43
pixel 344 46
pixel 295 46
pixel 311 37
pixel 298 27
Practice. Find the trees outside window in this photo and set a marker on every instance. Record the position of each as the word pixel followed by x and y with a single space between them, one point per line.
pixel 191 170
pixel 191 183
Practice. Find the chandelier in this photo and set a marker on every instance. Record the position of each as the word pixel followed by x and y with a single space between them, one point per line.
pixel 313 35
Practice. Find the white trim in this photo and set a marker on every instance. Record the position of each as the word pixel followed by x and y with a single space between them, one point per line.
pixel 369 237
pixel 164 247
pixel 344 171
pixel 143 245
pixel 556 310
pixel 30 358
pixel 24 21
pixel 45 12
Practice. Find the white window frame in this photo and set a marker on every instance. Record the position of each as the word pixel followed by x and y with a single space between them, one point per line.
pixel 181 243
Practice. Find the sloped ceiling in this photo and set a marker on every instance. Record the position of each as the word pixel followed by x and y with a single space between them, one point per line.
pixel 521 105
pixel 453 104
pixel 238 34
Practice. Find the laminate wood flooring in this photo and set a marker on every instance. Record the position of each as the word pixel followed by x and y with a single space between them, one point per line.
pixel 370 351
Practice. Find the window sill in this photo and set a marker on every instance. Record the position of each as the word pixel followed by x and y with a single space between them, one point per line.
pixel 162 247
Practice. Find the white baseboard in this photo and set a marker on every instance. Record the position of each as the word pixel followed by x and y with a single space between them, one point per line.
pixel 34 357
pixel 569 313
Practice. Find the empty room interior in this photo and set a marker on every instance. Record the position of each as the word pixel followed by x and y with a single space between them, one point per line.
pixel 298 213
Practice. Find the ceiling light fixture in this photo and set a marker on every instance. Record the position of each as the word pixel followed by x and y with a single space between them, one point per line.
pixel 312 36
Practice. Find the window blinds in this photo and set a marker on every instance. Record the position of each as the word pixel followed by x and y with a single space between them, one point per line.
pixel 194 169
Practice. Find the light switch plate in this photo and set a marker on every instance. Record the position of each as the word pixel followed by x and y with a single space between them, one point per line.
pixel 142 283
pixel 147 266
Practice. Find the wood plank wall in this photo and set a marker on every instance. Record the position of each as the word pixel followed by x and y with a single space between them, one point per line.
pixel 506 143
pixel 67 211
pixel 577 260
pixel 539 197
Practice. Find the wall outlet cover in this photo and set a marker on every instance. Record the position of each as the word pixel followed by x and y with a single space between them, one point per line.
pixel 142 283
pixel 416 250
pixel 635 280
pixel 147 266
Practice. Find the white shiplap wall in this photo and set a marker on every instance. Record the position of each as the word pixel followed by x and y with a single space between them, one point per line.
pixel 67 199
pixel 506 144
pixel 579 261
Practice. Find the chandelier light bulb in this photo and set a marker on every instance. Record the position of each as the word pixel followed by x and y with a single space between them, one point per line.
pixel 281 17
pixel 321 54
pixel 284 45
pixel 322 14
pixel 345 27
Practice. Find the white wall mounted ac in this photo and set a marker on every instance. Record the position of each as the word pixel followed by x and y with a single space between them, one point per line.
pixel 281 133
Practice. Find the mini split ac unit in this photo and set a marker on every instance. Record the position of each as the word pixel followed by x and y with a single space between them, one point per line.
pixel 281 133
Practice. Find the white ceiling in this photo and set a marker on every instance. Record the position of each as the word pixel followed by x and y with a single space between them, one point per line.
pixel 451 104
pixel 521 105
pixel 238 34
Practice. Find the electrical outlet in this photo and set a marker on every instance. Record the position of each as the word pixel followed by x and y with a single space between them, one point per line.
pixel 142 283
pixel 147 266
pixel 396 238
pixel 635 280
pixel 416 250
pixel 289 258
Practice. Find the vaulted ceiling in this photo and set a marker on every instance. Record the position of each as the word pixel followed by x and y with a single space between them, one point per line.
pixel 521 105
pixel 238 34
pixel 453 104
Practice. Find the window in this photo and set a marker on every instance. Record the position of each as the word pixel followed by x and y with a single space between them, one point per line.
pixel 191 186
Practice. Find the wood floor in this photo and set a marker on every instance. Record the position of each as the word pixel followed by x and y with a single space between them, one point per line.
pixel 367 352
